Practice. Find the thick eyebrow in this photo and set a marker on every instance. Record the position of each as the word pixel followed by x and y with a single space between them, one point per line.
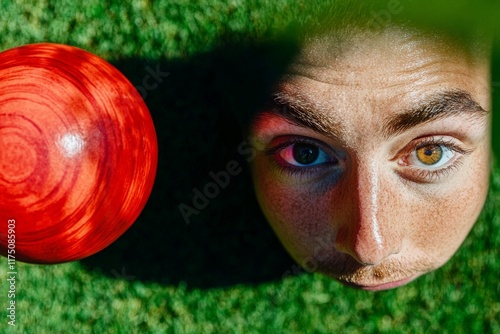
pixel 300 112
pixel 438 106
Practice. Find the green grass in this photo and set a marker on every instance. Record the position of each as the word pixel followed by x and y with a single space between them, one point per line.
pixel 222 273
pixel 461 297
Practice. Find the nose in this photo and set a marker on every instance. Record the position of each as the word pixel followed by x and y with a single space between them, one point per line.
pixel 369 231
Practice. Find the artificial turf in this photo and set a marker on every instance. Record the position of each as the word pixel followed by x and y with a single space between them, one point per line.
pixel 224 271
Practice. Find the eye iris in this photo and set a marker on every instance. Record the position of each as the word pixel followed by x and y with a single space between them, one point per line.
pixel 305 154
pixel 430 154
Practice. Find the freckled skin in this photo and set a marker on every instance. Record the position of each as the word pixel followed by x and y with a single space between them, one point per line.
pixel 372 225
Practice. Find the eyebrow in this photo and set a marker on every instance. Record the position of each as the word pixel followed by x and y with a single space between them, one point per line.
pixel 299 111
pixel 438 106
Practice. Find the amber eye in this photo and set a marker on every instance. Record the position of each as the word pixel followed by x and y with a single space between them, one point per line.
pixel 429 154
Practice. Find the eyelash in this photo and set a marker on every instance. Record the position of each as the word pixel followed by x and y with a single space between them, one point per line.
pixel 420 174
pixel 296 171
pixel 431 175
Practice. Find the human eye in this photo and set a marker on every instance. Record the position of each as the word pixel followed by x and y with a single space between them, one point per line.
pixel 427 160
pixel 303 157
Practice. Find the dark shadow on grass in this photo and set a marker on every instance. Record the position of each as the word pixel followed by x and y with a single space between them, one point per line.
pixel 197 110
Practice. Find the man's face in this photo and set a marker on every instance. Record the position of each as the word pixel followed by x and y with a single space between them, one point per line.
pixel 373 164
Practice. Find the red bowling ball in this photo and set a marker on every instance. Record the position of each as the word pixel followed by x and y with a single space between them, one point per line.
pixel 78 153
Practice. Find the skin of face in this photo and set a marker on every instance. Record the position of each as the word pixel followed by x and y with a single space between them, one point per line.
pixel 373 160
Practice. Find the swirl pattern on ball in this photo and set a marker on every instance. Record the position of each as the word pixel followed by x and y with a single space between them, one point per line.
pixel 78 152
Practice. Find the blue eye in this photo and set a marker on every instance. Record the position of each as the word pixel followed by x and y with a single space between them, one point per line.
pixel 305 155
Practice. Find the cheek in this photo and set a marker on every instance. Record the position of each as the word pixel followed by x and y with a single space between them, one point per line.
pixel 441 222
pixel 295 214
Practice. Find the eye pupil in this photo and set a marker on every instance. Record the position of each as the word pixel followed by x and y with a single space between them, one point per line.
pixel 305 154
pixel 430 154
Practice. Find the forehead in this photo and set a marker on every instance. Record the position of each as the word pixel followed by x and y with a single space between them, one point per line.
pixel 352 88
pixel 394 67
